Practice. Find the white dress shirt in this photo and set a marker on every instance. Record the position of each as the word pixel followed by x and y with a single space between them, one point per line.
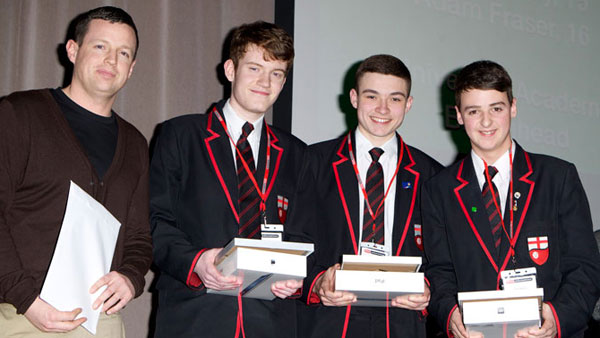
pixel 502 178
pixel 389 161
pixel 234 127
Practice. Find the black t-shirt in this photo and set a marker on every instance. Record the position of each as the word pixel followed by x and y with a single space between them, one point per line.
pixel 97 134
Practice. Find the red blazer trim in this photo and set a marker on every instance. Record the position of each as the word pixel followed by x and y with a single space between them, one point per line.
pixel 274 139
pixel 207 141
pixel 448 332
pixel 556 321
pixel 215 135
pixel 341 192
pixel 296 294
pixel 424 312
pixel 525 208
pixel 313 298
pixel 346 320
pixel 462 205
pixel 193 280
pixel 414 194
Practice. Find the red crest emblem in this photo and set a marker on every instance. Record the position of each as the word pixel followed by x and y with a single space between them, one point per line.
pixel 538 249
pixel 418 236
pixel 282 207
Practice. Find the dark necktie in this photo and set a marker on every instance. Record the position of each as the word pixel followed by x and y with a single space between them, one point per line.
pixel 490 206
pixel 249 201
pixel 372 230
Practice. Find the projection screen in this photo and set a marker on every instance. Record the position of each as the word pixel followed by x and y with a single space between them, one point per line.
pixel 550 48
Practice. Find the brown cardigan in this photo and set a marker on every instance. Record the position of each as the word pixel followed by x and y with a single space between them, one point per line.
pixel 39 154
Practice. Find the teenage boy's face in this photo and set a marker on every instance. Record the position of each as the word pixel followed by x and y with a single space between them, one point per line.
pixel 381 103
pixel 255 83
pixel 486 115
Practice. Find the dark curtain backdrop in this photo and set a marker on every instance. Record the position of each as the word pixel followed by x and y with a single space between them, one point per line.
pixel 181 49
pixel 181 46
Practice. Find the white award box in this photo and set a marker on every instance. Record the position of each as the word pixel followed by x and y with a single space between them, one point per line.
pixel 501 313
pixel 261 263
pixel 375 280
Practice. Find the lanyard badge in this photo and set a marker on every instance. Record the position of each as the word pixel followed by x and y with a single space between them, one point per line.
pixel 519 279
pixel 373 249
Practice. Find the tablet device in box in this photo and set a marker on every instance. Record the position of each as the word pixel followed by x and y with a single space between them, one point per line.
pixel 376 280
pixel 501 313
pixel 261 263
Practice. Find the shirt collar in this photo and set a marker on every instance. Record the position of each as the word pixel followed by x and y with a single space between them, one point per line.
pixel 235 123
pixel 363 145
pixel 502 164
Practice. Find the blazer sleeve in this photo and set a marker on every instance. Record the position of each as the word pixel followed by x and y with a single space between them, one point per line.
pixel 315 269
pixel 173 252
pixel 300 225
pixel 580 261
pixel 314 229
pixel 17 284
pixel 318 265
pixel 434 167
pixel 440 269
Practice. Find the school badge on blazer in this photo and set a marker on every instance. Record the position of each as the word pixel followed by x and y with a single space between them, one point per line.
pixel 538 249
pixel 418 236
pixel 282 206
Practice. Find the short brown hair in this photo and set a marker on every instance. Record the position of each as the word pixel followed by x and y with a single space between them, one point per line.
pixel 106 13
pixel 383 64
pixel 276 42
pixel 484 75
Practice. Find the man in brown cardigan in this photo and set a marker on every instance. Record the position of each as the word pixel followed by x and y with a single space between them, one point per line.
pixel 52 136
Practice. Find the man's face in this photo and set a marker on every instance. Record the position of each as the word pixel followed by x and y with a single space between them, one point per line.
pixel 255 83
pixel 486 115
pixel 104 60
pixel 381 103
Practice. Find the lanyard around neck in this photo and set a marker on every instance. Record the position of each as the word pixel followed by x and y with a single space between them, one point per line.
pixel 498 209
pixel 362 186
pixel 261 192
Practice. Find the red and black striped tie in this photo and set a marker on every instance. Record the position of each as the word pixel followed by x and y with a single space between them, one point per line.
pixel 249 201
pixel 372 230
pixel 490 206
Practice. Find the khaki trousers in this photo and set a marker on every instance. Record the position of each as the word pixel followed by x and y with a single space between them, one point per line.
pixel 15 325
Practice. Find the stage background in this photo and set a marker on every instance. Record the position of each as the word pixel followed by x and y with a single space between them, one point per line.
pixel 549 47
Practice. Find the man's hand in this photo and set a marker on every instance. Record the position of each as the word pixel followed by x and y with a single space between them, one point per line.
pixel 119 291
pixel 415 302
pixel 210 276
pixel 325 288
pixel 285 288
pixel 48 319
pixel 548 329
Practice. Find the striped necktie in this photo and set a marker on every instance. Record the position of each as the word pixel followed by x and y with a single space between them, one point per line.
pixel 490 206
pixel 372 230
pixel 249 201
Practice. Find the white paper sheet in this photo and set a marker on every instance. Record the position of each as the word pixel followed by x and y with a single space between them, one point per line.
pixel 84 253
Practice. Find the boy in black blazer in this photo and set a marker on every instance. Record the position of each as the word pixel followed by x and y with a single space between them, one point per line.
pixel 535 214
pixel 216 176
pixel 392 220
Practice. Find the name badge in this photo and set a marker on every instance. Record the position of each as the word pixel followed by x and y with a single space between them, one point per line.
pixel 519 279
pixel 374 249
pixel 271 232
